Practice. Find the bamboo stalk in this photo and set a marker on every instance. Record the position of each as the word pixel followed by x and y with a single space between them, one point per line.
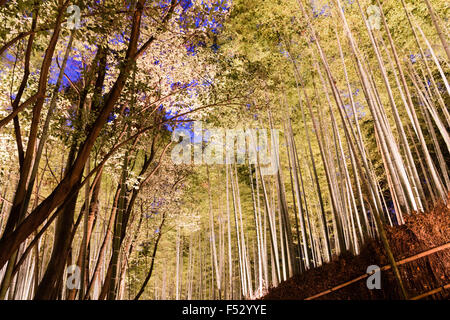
pixel 384 268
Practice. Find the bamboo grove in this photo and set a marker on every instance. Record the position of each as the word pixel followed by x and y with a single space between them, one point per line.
pixel 92 205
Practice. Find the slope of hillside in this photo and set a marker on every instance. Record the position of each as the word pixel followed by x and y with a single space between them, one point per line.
pixel 421 232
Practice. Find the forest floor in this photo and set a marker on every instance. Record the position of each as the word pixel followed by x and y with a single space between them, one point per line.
pixel 420 233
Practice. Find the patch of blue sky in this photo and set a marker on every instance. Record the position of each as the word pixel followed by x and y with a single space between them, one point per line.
pixel 324 11
pixel 347 4
pixel 186 4
pixel 215 47
pixel 69 120
pixel 206 83
pixel 169 79
pixel 72 71
pixel 163 4
pixel 10 57
pixel 9 62
pixel 355 93
pixel 359 108
pixel 69 123
pixel 111 117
